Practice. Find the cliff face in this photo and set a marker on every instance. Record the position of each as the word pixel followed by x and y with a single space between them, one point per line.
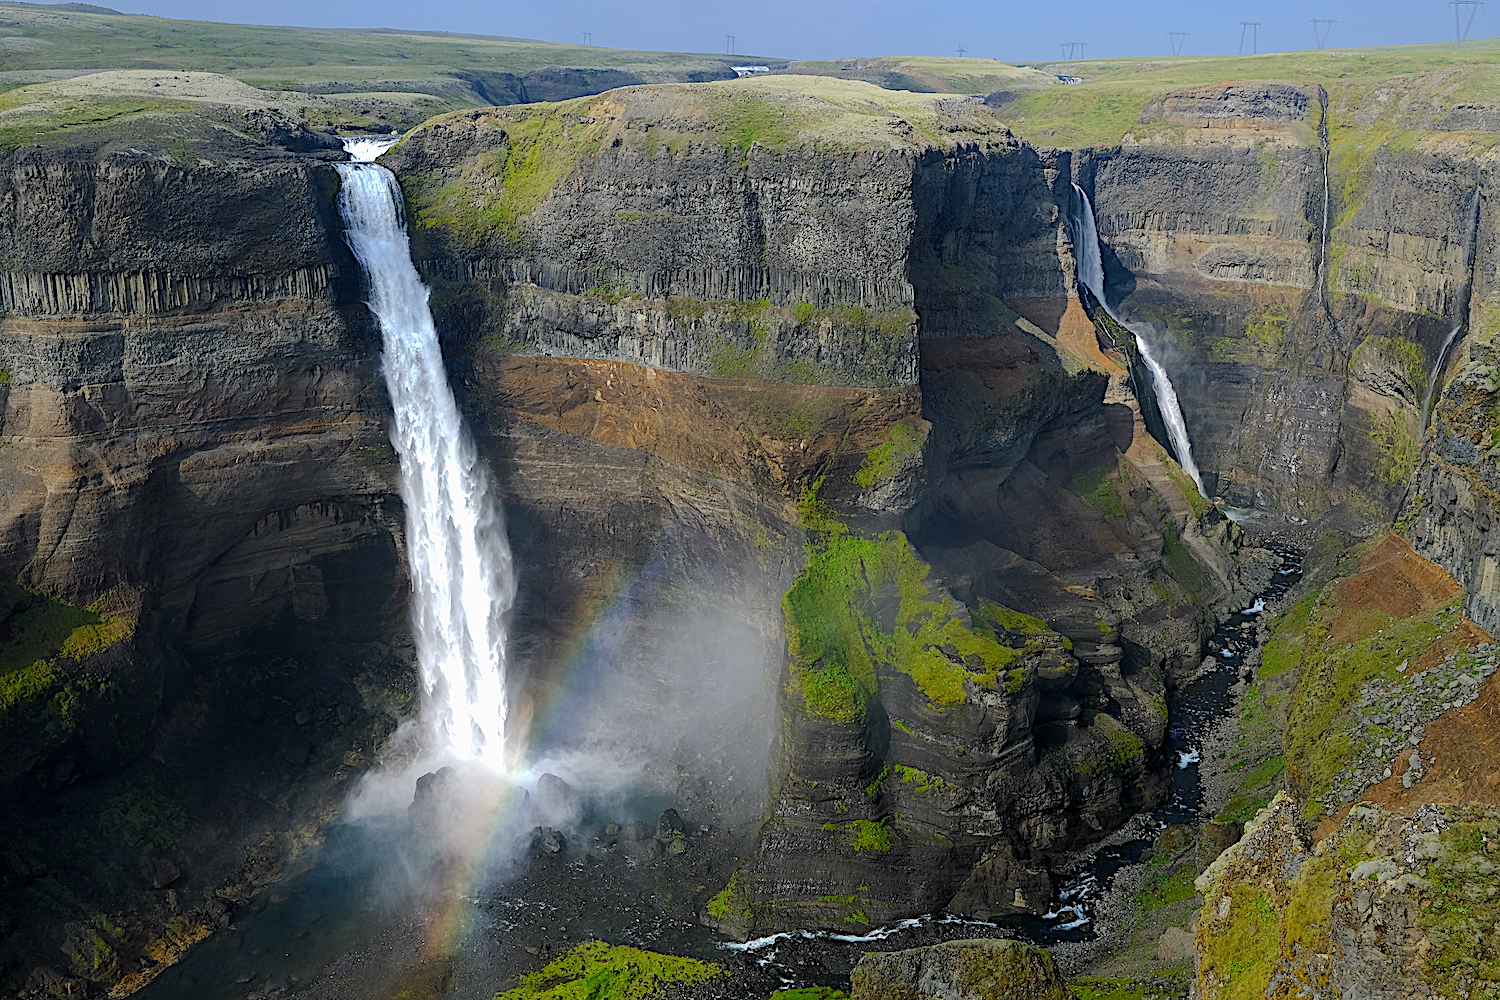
pixel 1303 255
pixel 725 342
pixel 199 502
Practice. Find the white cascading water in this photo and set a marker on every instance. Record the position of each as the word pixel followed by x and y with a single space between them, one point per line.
pixel 459 557
pixel 1091 273
pixel 1437 373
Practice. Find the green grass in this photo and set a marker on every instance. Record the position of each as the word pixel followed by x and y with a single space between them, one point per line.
pixel 1257 786
pixel 1245 952
pixel 1095 487
pixel 1182 564
pixel 1317 743
pixel 1466 904
pixel 809 993
pixel 1283 651
pixel 291 58
pixel 1163 887
pixel 599 971
pixel 838 647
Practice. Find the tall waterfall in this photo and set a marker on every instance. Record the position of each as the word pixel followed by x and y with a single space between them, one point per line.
pixel 460 561
pixel 1091 273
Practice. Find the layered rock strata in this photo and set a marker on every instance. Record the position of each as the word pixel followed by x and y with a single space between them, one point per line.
pixel 199 501
pixel 791 359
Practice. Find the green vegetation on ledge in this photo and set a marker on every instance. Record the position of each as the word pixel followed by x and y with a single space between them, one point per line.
pixel 841 644
pixel 599 971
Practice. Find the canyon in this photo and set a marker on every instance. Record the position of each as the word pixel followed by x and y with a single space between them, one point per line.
pixel 842 511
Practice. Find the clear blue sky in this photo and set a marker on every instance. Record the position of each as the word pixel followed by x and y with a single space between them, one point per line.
pixel 1012 30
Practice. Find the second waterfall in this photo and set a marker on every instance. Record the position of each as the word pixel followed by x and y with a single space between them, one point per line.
pixel 1091 275
pixel 459 558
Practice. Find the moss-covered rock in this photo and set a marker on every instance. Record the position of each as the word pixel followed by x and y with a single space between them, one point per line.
pixel 984 969
pixel 599 971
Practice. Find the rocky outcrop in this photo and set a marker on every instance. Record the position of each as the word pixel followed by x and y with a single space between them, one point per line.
pixel 985 969
pixel 1386 906
pixel 1452 503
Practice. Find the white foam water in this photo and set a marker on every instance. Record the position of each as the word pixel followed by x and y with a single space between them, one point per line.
pixel 1091 273
pixel 461 574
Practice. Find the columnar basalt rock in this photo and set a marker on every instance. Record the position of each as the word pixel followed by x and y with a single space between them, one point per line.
pixel 197 483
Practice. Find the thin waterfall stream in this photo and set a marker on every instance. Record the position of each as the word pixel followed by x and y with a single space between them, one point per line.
pixel 1091 274
pixel 462 578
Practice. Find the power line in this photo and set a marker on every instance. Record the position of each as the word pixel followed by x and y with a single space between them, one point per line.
pixel 1322 28
pixel 1177 38
pixel 1254 27
pixel 1461 29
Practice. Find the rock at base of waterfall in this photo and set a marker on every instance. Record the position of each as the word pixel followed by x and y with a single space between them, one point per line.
pixel 425 811
pixel 984 969
pixel 669 824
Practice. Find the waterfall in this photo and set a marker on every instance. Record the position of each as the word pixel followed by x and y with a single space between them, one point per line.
pixel 457 552
pixel 1091 274
pixel 1437 373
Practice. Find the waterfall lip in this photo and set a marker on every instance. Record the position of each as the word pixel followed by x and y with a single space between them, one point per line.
pixel 365 148
pixel 1091 274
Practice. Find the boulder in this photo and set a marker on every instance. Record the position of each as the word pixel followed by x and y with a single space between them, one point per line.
pixel 983 969
pixel 669 825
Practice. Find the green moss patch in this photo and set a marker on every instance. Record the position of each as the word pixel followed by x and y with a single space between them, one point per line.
pixel 39 628
pixel 1321 714
pixel 809 993
pixel 493 192
pixel 599 971
pixel 861 608
pixel 884 461
pixel 730 901
pixel 1095 487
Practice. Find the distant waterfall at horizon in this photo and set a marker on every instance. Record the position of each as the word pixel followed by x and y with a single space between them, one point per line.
pixel 1091 273
pixel 457 551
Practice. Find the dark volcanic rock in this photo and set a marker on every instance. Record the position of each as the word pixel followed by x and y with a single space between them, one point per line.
pixel 984 969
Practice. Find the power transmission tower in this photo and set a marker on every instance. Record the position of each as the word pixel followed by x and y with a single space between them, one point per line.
pixel 960 52
pixel 1081 47
pixel 1177 38
pixel 729 45
pixel 1254 27
pixel 1066 48
pixel 588 38
pixel 1322 27
pixel 1461 28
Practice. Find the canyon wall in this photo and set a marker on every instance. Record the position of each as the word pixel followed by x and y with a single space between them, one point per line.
pixel 1302 328
pixel 200 539
pixel 821 354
